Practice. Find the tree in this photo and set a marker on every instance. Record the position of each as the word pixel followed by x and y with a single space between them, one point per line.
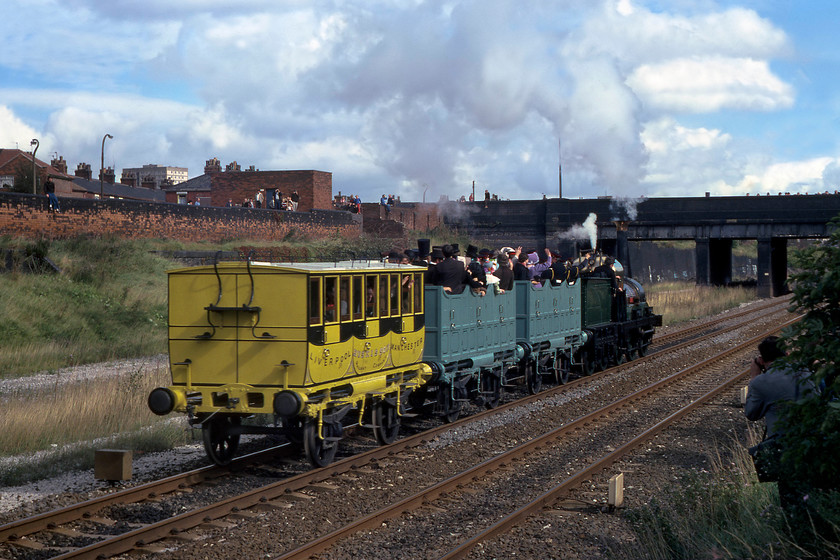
pixel 812 436
pixel 23 180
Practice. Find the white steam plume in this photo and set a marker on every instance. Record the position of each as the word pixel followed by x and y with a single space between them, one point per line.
pixel 589 228
pixel 624 208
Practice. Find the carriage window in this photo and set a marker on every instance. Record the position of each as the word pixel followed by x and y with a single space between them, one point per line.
pixel 357 297
pixel 395 291
pixel 344 298
pixel 418 293
pixel 407 284
pixel 383 295
pixel 330 299
pixel 314 301
pixel 370 296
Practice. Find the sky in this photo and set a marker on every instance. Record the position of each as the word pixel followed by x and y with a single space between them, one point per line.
pixel 424 98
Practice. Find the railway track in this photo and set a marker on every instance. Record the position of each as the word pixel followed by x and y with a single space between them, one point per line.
pixel 692 386
pixel 29 534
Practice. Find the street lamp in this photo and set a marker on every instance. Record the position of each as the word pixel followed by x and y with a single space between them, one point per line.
pixel 102 165
pixel 34 177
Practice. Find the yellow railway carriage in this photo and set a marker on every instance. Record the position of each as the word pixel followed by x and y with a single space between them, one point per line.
pixel 316 345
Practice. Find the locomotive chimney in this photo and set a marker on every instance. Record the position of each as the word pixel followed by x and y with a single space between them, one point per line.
pixel 622 251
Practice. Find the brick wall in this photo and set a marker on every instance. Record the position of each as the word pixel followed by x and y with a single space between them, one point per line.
pixel 28 215
pixel 418 216
pixel 314 187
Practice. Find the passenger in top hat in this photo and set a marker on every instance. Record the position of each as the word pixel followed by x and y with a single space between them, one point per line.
pixel 475 272
pixel 450 272
pixel 434 259
pixel 504 272
pixel 423 249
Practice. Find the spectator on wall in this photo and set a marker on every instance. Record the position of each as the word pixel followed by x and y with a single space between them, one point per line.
pixel 295 200
pixel 49 190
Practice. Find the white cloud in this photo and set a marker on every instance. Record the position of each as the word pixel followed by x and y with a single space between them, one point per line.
pixel 698 85
pixel 13 131
pixel 410 95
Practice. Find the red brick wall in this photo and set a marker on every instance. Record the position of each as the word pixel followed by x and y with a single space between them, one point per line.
pixel 314 187
pixel 28 216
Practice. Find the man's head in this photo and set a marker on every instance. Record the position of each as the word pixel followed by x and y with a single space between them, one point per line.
pixel 770 349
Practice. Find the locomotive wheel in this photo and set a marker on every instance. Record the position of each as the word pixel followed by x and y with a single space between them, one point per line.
pixel 623 358
pixel 219 442
pixel 491 388
pixel 320 452
pixel 449 408
pixel 533 377
pixel 386 423
pixel 587 364
pixel 643 349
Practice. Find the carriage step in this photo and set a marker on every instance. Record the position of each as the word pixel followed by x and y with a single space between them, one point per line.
pixel 408 415
pixel 330 438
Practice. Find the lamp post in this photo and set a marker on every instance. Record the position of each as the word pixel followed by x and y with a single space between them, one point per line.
pixel 34 177
pixel 102 166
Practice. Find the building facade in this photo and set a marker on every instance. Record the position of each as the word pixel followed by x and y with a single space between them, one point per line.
pixel 153 176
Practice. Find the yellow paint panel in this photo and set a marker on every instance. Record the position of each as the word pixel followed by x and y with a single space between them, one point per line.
pixel 407 348
pixel 330 362
pixel 281 297
pixel 259 362
pixel 190 333
pixel 190 293
pixel 212 362
pixel 371 354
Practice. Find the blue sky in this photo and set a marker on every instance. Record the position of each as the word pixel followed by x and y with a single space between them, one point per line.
pixel 409 97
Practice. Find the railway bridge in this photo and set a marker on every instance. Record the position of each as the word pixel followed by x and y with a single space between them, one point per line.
pixel 713 223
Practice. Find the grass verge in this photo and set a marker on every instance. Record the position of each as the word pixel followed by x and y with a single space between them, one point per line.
pixel 722 513
pixel 679 302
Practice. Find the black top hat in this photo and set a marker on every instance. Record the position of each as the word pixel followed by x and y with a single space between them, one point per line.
pixel 437 253
pixel 485 253
pixel 423 247
pixel 472 251
pixel 455 248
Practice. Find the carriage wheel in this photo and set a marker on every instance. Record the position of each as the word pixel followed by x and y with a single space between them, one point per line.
pixel 643 348
pixel 533 377
pixel 561 368
pixel 448 407
pixel 220 442
pixel 491 389
pixel 320 452
pixel 386 422
pixel 292 428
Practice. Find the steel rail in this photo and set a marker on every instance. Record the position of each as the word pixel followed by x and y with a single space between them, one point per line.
pixel 428 494
pixel 562 489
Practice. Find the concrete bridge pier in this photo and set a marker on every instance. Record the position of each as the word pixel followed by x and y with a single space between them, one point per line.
pixel 772 267
pixel 713 261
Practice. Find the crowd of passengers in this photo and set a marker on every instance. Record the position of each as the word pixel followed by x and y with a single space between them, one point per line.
pixel 485 269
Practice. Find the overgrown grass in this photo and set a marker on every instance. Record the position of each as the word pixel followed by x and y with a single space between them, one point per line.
pixel 60 424
pixel 720 513
pixel 679 302
pixel 108 302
